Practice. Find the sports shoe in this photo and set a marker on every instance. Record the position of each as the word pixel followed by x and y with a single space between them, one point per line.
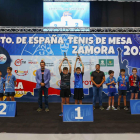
pixel 39 109
pixel 61 114
pixel 108 108
pixel 101 108
pixel 113 108
pixel 125 108
pixel 47 110
pixel 118 108
pixel 93 107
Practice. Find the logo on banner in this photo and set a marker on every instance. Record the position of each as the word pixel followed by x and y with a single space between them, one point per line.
pixel 19 62
pixel 21 73
pixel 110 62
pixel 32 62
pixel 58 83
pixel 106 62
pixel 102 62
pixel 3 58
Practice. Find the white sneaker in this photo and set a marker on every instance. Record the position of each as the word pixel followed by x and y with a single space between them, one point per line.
pixel 113 108
pixel 108 108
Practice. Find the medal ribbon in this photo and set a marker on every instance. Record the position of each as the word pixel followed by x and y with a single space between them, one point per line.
pixel 9 78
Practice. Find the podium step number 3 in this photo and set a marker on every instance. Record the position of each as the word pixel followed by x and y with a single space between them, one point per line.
pixel 78 113
pixel 7 108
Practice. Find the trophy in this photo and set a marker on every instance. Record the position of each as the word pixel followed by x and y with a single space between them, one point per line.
pixel 78 55
pixel 65 55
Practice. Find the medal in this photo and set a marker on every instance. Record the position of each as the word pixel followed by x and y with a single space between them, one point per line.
pixel 134 80
pixel 110 82
pixel 123 81
pixel 9 78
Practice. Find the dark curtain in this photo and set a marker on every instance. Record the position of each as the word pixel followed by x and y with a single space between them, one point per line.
pixel 102 14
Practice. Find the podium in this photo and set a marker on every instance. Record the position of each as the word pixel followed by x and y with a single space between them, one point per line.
pixel 7 108
pixel 78 113
pixel 135 106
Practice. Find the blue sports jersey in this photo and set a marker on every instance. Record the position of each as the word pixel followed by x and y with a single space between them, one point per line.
pixel 78 80
pixel 10 86
pixel 111 88
pixel 123 82
pixel 1 84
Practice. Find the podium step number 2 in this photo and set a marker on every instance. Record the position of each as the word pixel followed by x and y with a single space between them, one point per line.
pixel 78 113
pixel 7 108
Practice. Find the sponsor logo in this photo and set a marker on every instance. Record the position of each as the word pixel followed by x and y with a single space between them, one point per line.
pixel 32 62
pixel 58 83
pixel 21 73
pixel 19 62
pixel 110 62
pixel 52 74
pixel 49 64
pixel 102 62
pixel 3 58
pixel 106 62
pixel 34 72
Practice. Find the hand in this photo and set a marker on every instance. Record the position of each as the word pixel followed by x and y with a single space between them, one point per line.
pixel 98 85
pixel 42 84
pixel 80 59
pixel 66 59
pixel 77 58
pixel 63 59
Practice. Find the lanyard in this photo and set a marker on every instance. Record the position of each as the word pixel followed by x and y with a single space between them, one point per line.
pixel 134 78
pixel 9 78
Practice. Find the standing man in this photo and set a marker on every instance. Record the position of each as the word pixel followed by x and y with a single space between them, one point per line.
pixel 43 83
pixel 97 78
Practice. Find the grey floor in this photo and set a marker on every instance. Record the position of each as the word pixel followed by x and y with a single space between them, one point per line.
pixel 14 136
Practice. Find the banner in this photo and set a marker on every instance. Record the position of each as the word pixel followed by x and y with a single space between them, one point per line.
pixel 23 52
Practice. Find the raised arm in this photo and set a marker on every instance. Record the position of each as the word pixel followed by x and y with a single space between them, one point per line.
pixel 82 64
pixel 69 65
pixel 61 65
pixel 75 64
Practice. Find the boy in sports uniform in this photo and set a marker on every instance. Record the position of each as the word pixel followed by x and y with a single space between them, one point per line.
pixel 134 84
pixel 65 92
pixel 111 82
pixel 10 82
pixel 78 84
pixel 1 86
pixel 122 88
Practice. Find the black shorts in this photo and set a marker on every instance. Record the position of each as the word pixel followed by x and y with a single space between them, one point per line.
pixel 9 94
pixel 65 93
pixel 78 94
pixel 1 94
pixel 134 89
pixel 122 92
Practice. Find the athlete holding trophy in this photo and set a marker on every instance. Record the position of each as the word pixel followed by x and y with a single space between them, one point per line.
pixel 65 92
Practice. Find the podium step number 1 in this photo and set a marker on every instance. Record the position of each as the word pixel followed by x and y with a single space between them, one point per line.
pixel 7 108
pixel 78 113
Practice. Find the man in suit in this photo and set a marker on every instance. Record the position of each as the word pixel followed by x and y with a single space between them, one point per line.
pixel 43 77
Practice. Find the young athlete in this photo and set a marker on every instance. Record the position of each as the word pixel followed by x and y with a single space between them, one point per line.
pixel 78 85
pixel 1 86
pixel 134 84
pixel 65 92
pixel 111 82
pixel 122 88
pixel 10 82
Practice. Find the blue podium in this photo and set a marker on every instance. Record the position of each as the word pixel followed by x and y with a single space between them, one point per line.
pixel 78 113
pixel 7 108
pixel 135 106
